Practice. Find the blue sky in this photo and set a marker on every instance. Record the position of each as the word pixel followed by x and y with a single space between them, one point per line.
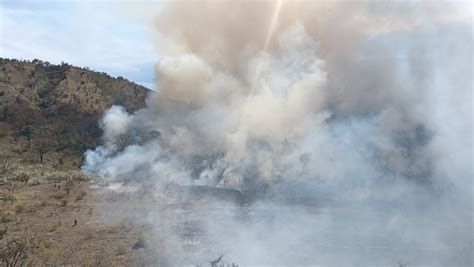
pixel 110 36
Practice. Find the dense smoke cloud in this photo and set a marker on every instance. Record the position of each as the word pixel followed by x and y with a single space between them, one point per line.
pixel 361 111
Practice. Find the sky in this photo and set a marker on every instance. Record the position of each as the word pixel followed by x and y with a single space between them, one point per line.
pixel 112 36
pixel 105 35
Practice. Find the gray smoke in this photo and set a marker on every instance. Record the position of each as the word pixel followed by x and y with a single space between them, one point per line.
pixel 341 132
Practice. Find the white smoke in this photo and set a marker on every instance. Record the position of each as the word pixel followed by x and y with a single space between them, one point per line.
pixel 346 126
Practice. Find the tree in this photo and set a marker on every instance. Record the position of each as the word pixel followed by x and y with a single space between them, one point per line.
pixel 26 132
pixel 41 147
pixel 44 139
pixel 217 260
pixel 14 253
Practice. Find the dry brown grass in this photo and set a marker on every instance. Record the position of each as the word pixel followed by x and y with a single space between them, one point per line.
pixel 54 222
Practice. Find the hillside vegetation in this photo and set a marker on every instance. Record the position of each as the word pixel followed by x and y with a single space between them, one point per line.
pixel 49 116
pixel 49 113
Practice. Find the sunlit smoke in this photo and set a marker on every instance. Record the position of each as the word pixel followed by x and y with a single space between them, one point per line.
pixel 303 133
pixel 273 24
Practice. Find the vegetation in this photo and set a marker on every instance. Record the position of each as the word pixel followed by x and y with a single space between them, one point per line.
pixel 15 252
pixel 48 117
pixel 7 197
pixel 50 112
pixel 55 226
pixel 139 244
pixel 81 195
pixel 6 216
pixel 19 208
pixel 64 202
pixel 41 226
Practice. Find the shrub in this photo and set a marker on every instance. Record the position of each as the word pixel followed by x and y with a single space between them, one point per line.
pixel 139 244
pixel 18 251
pixel 33 182
pixel 58 176
pixel 81 195
pixel 79 176
pixel 68 186
pixel 64 202
pixel 59 196
pixel 55 227
pixel 6 166
pixel 22 177
pixel 7 197
pixel 120 251
pixel 6 216
pixel 19 208
pixel 14 252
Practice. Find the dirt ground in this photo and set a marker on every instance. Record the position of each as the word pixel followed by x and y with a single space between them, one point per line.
pixel 60 222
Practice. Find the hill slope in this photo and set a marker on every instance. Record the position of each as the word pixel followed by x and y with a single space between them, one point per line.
pixel 50 112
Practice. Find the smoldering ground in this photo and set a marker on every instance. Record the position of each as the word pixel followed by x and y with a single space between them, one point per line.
pixel 301 133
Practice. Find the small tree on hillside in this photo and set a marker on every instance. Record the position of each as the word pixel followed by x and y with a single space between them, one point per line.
pixel 44 140
pixel 26 132
pixel 42 146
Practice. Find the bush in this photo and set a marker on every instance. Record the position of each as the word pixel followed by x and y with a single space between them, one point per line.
pixel 79 176
pixel 6 166
pixel 59 196
pixel 139 244
pixel 120 251
pixel 64 202
pixel 6 216
pixel 68 186
pixel 7 197
pixel 58 176
pixel 81 195
pixel 22 177
pixel 55 227
pixel 14 252
pixel 33 182
pixel 19 208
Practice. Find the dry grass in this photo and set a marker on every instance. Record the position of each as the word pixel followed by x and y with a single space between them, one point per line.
pixel 47 217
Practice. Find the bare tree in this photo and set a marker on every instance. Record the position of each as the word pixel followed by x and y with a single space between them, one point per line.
pixel 402 263
pixel 14 253
pixel 217 260
pixel 44 140
pixel 6 166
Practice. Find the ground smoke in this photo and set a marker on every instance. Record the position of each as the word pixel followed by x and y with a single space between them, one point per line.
pixel 298 133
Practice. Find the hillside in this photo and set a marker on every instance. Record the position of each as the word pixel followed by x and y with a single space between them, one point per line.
pixel 49 116
pixel 49 113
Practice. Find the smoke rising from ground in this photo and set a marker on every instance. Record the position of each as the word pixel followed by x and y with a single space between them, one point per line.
pixel 346 127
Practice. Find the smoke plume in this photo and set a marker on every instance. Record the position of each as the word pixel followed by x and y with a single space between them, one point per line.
pixel 340 130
